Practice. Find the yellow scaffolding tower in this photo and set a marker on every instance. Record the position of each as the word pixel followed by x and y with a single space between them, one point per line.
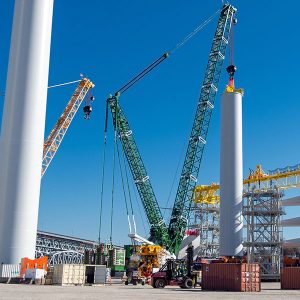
pixel 281 178
pixel 205 217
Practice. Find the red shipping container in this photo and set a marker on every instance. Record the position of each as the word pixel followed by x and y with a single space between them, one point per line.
pixel 290 278
pixel 240 277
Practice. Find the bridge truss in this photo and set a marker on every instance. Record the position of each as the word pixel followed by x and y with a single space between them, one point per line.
pixel 62 249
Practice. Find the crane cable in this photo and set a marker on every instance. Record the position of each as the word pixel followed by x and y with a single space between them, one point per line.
pixel 122 90
pixel 62 84
pixel 158 61
pixel 231 44
pixel 194 32
pixel 103 173
pixel 2 94
pixel 123 186
pixel 113 171
pixel 129 193
pixel 142 74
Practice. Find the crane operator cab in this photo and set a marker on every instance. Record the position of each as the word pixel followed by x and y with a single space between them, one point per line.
pixel 88 108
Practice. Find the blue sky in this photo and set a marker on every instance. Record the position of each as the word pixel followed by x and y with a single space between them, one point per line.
pixel 110 42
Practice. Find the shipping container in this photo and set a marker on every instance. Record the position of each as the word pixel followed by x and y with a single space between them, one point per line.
pixel 69 274
pixel 95 274
pixel 290 278
pixel 240 277
pixel 9 271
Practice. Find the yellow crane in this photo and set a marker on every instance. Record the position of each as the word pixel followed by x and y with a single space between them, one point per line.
pixel 283 178
pixel 59 130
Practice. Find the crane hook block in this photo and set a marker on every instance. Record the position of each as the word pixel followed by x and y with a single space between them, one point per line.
pixel 231 70
pixel 87 111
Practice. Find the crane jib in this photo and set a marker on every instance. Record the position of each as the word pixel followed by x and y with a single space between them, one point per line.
pixel 158 230
pixel 198 137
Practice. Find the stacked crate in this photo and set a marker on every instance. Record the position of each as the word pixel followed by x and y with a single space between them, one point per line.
pixel 69 274
pixel 240 277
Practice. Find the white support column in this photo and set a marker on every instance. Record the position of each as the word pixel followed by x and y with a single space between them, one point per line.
pixel 22 132
pixel 231 176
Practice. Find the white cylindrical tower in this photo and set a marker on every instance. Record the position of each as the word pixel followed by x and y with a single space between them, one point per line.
pixel 22 132
pixel 231 175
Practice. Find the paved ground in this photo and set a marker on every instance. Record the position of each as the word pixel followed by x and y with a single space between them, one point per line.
pixel 118 291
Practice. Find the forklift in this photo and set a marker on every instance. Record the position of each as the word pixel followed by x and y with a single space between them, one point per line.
pixel 176 272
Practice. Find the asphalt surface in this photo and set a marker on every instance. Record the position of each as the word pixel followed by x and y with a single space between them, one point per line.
pixel 119 291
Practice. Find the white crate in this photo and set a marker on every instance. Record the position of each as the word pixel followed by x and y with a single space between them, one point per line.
pixel 69 274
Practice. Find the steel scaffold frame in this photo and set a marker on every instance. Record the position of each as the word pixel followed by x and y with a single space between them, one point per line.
pixel 263 212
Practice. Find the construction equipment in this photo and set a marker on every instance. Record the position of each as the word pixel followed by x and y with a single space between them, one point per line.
pixel 178 272
pixel 146 260
pixel 198 136
pixel 133 277
pixel 172 236
pixel 263 209
pixel 58 132
pixel 158 229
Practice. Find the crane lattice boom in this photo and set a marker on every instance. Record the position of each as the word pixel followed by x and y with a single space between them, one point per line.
pixel 57 134
pixel 197 141
pixel 158 229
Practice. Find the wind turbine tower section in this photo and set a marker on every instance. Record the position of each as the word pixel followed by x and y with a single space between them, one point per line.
pixel 22 132
pixel 231 172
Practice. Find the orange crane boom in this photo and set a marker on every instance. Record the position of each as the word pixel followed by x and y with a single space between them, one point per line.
pixel 58 132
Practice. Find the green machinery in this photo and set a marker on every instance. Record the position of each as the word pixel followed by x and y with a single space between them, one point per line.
pixel 171 236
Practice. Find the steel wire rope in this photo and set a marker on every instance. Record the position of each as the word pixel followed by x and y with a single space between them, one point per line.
pixel 129 84
pixel 135 80
pixel 128 187
pixel 174 178
pixel 138 205
pixel 2 94
pixel 113 172
pixel 194 32
pixel 62 84
pixel 103 173
pixel 102 189
pixel 129 193
pixel 158 61
pixel 123 186
pixel 231 45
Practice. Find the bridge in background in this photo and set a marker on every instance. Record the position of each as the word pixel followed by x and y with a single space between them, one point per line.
pixel 62 248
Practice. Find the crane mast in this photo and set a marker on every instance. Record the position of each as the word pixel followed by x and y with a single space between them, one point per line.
pixel 58 132
pixel 158 229
pixel 197 140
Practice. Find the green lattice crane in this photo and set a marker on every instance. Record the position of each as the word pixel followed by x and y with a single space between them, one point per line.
pixel 197 140
pixel 158 228
pixel 172 237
